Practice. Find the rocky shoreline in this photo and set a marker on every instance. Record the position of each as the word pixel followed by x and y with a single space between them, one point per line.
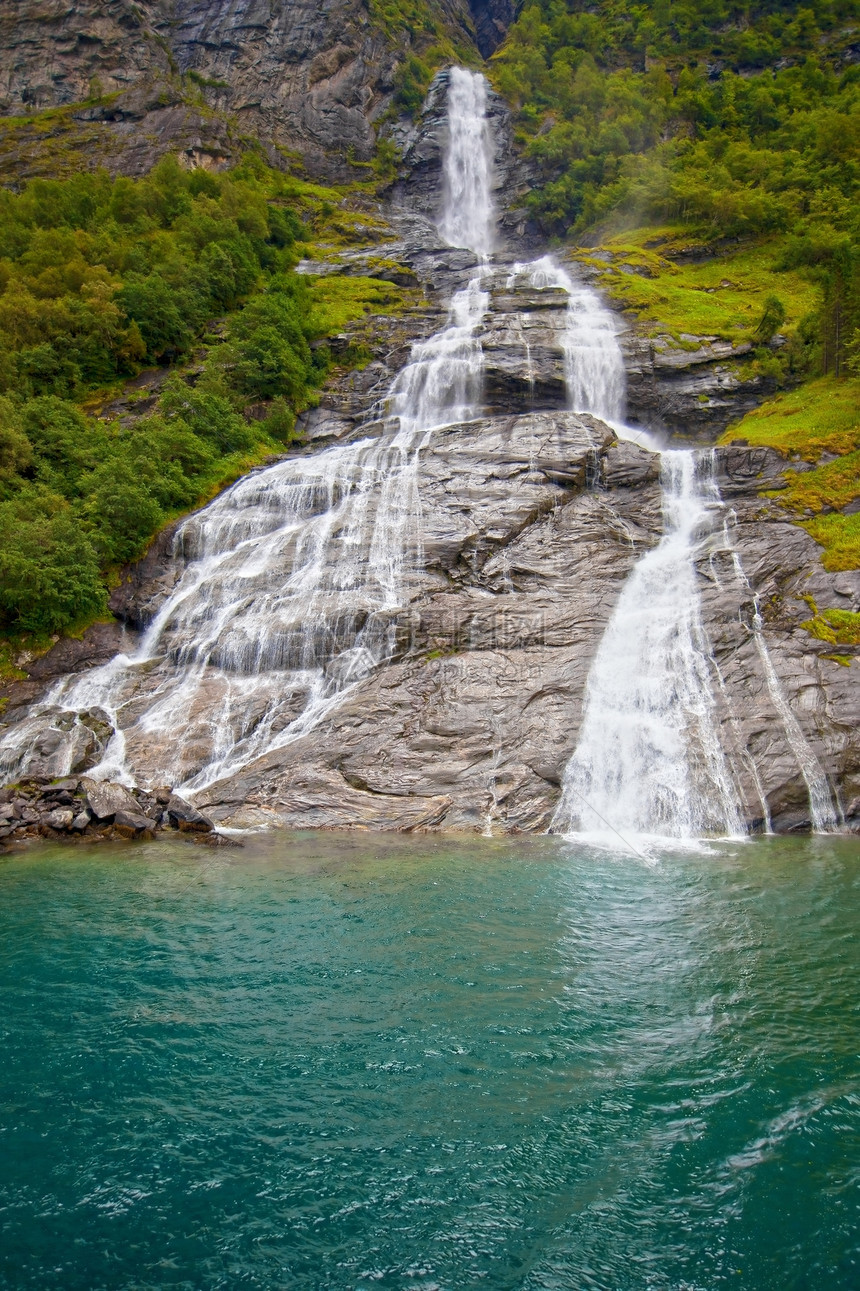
pixel 78 808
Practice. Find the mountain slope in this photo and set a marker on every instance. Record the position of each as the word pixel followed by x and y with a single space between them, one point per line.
pixel 132 81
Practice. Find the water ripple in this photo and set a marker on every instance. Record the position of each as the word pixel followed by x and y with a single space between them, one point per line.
pixel 351 1062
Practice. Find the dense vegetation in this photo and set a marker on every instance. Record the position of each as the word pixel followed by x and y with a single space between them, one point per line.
pixel 732 119
pixel 100 277
pixel 732 126
pixel 428 41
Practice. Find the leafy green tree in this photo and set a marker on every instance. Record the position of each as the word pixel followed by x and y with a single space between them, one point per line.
pixel 153 306
pixel 270 350
pixel 97 276
pixel 772 318
pixel 281 421
pixel 16 451
pixel 208 414
pixel 122 512
pixel 49 570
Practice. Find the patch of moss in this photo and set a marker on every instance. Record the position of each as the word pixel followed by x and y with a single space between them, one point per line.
pixel 678 285
pixel 837 627
pixel 828 488
pixel 817 419
pixel 206 82
pixel 51 144
pixel 9 670
pixel 839 535
pixel 339 300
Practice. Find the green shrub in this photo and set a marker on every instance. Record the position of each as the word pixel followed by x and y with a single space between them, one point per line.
pixel 209 416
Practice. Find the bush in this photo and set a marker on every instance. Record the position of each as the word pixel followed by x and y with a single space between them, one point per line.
pixel 98 275
pixel 153 307
pixel 207 414
pixel 269 350
pixel 16 451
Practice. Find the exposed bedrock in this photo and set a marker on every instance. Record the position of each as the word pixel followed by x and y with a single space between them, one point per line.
pixel 311 75
pixel 474 723
pixel 693 391
pixel 532 518
pixel 492 19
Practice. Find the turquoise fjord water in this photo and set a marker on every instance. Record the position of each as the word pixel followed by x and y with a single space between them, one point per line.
pixel 358 1062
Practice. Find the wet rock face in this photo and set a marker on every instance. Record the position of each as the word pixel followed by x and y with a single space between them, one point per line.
pixel 492 19
pixel 780 569
pixel 311 76
pixel 693 392
pixel 472 719
pixel 472 725
pixel 532 520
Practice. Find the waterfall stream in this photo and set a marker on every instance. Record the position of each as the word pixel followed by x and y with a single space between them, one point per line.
pixel 293 581
pixel 593 363
pixel 295 576
pixel 649 760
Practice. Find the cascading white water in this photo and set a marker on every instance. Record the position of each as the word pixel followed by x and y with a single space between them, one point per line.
pixel 468 214
pixel 593 363
pixel 649 760
pixel 821 808
pixel 295 576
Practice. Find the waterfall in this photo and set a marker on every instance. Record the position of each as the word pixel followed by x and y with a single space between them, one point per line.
pixel 468 218
pixel 295 577
pixel 293 583
pixel 593 363
pixel 649 760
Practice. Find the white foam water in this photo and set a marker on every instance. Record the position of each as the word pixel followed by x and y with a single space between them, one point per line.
pixel 468 214
pixel 824 814
pixel 294 578
pixel 293 583
pixel 649 762
pixel 593 363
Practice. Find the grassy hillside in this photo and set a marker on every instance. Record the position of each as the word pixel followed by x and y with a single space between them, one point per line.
pixel 730 121
pixel 818 423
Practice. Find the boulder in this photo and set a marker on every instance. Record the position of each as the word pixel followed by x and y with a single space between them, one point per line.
pixel 51 799
pixel 81 821
pixel 130 824
pixel 185 818
pixel 105 798
pixel 60 818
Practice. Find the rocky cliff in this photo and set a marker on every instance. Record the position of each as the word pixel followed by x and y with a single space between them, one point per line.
pixel 200 78
pixel 532 519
